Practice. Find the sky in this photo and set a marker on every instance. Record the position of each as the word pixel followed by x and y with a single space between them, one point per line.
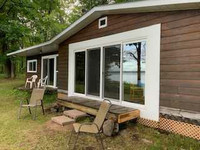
pixel 130 63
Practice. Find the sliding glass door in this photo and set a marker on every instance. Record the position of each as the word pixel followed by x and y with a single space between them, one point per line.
pixel 111 72
pixel 87 72
pixel 93 71
pixel 80 72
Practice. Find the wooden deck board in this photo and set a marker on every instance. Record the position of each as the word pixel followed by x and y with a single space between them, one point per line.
pixel 117 113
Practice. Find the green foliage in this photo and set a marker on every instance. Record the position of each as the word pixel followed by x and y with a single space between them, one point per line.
pixel 80 88
pixel 89 4
pixel 24 23
pixel 123 1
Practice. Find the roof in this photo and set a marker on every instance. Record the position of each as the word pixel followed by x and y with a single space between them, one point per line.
pixel 96 12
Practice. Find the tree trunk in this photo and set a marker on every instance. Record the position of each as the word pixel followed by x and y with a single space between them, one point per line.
pixel 139 64
pixel 1 68
pixel 12 72
pixel 8 68
pixel 7 64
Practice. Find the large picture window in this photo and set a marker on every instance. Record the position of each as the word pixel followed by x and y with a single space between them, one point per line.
pixel 32 66
pixel 88 71
pixel 123 67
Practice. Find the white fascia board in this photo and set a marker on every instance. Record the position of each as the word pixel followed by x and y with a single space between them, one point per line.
pixel 29 48
pixel 76 23
pixel 101 10
pixel 141 6
pixel 56 37
pixel 146 3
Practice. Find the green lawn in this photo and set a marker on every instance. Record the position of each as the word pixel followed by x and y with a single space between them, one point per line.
pixel 28 134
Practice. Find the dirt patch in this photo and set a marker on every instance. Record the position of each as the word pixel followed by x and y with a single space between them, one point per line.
pixel 56 127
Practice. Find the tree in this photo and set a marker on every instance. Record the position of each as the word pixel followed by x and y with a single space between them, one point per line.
pixel 25 23
pixel 89 4
pixel 139 56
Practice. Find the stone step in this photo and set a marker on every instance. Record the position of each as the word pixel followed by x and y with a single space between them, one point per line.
pixel 62 120
pixel 74 114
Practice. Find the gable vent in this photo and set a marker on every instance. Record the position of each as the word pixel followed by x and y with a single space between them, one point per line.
pixel 102 22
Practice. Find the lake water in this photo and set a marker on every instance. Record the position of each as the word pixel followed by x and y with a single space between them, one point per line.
pixel 129 77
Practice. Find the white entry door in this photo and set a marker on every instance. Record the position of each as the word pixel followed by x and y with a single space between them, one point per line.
pixel 49 68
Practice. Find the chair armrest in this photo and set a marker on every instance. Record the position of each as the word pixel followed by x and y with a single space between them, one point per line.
pixel 28 78
pixel 88 123
pixel 23 100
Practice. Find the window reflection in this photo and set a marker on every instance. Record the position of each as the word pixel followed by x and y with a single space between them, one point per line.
pixel 134 64
pixel 112 72
pixel 80 72
pixel 93 72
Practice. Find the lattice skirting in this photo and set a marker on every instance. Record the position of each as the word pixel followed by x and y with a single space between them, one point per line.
pixel 182 128
pixel 149 123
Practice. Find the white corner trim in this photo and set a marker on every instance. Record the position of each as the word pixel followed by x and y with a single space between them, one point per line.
pixel 31 61
pixel 101 19
pixel 151 35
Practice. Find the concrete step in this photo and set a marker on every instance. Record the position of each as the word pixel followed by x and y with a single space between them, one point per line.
pixel 62 120
pixel 74 114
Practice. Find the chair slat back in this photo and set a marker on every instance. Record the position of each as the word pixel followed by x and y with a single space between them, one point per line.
pixel 101 114
pixel 36 96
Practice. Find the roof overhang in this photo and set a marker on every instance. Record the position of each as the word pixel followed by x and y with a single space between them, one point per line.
pixel 96 12
pixel 42 48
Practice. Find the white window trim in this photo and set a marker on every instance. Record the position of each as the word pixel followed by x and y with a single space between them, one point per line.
pixel 105 25
pixel 151 35
pixel 31 61
pixel 55 65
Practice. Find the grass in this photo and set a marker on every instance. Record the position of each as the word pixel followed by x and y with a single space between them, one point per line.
pixel 26 134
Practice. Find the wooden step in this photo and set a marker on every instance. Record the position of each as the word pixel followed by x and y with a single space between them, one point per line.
pixel 62 120
pixel 74 114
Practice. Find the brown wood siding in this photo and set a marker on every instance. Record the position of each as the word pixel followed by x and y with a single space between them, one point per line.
pixel 38 57
pixel 180 52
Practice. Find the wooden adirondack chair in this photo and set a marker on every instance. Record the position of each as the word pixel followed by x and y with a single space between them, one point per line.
pixel 94 127
pixel 35 101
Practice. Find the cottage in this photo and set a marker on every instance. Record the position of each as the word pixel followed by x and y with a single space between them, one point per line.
pixel 142 55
